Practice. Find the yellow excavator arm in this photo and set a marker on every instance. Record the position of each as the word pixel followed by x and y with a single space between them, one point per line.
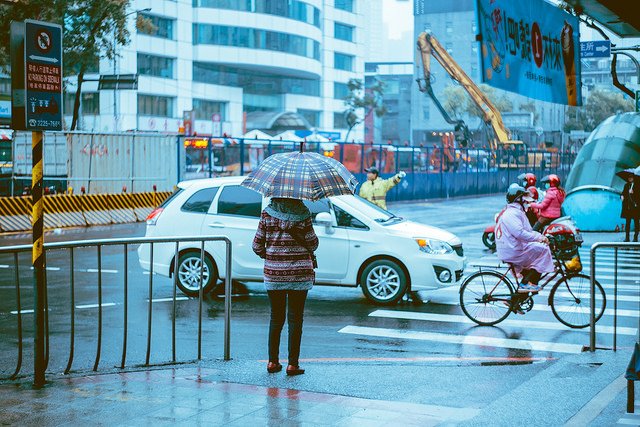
pixel 429 47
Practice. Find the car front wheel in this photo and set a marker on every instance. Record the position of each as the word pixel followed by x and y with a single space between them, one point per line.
pixel 383 282
pixel 189 267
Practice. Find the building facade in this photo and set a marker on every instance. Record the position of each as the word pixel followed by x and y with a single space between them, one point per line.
pixel 227 59
pixel 453 23
pixel 395 125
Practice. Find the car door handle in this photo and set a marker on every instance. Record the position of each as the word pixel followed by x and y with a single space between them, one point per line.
pixel 216 225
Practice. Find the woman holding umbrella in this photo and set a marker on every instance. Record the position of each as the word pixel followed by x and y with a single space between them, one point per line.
pixel 286 240
pixel 630 203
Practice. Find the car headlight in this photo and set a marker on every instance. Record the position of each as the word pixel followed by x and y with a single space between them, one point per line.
pixel 434 247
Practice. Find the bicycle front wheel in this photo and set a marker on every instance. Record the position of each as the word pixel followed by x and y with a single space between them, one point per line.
pixel 570 301
pixel 485 297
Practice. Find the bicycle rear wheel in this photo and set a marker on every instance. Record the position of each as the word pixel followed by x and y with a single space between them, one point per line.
pixel 570 301
pixel 485 297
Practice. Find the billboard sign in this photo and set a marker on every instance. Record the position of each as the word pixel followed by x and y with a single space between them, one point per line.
pixel 530 48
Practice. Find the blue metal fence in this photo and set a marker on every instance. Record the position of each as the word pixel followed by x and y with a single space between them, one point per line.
pixel 432 172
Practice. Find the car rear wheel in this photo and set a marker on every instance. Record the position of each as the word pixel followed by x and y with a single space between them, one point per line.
pixel 383 282
pixel 189 267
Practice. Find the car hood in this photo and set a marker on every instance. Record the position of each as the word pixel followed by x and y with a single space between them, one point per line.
pixel 414 229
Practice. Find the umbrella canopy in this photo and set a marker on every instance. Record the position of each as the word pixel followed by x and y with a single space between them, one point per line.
pixel 626 173
pixel 636 171
pixel 300 175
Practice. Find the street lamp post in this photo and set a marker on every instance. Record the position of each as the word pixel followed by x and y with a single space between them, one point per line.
pixel 115 59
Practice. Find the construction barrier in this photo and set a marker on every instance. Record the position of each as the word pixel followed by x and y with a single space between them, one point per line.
pixel 71 210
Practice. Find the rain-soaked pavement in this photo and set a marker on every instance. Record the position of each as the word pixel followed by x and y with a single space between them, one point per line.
pixel 364 359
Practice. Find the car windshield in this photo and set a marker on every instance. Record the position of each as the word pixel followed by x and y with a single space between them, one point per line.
pixel 370 210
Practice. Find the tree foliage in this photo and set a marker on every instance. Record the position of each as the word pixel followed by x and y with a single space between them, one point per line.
pixel 457 101
pixel 90 28
pixel 360 100
pixel 599 105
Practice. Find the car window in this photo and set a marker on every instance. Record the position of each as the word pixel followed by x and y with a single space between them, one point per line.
pixel 200 201
pixel 171 197
pixel 345 219
pixel 318 206
pixel 241 201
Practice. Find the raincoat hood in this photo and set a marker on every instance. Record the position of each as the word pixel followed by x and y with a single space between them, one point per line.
pixel 289 212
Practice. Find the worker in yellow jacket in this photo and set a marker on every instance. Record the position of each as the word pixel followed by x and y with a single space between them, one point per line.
pixel 375 189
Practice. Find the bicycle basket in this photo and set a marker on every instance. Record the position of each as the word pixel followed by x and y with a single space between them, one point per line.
pixel 574 265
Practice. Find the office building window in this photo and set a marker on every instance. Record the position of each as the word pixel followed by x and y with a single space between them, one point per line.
pixel 89 104
pixel 343 32
pixel 312 116
pixel 161 27
pixel 340 90
pixel 153 105
pixel 158 66
pixel 255 39
pixel 449 47
pixel 292 9
pixel 339 121
pixel 449 27
pixel 343 61
pixel 253 81
pixel 344 5
pixel 205 109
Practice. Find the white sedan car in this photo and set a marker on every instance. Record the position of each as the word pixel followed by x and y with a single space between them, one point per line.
pixel 360 244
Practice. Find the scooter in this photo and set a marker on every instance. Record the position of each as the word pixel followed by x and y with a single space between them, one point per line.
pixel 489 237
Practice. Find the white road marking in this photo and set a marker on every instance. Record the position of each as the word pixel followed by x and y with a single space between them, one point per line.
pixel 169 299
pixel 106 304
pixel 4 266
pixel 463 339
pixel 49 268
pixel 95 270
pixel 595 406
pixel 454 318
pixel 584 308
pixel 22 312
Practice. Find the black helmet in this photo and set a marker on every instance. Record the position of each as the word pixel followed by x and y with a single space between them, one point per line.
pixel 515 192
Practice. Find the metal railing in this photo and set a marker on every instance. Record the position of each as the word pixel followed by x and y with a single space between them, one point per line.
pixel 592 315
pixel 125 243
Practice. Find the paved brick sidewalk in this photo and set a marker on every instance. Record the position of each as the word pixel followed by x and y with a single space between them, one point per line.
pixel 185 396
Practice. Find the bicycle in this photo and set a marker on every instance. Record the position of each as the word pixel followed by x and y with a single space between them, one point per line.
pixel 487 297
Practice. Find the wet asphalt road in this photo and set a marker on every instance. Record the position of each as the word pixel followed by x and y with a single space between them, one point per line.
pixel 340 324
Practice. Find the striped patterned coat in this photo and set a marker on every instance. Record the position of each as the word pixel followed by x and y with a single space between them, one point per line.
pixel 287 265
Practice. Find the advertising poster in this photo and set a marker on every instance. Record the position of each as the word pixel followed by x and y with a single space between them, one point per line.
pixel 531 48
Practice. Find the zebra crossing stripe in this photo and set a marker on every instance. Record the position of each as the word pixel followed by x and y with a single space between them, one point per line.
pixel 462 339
pixel 520 323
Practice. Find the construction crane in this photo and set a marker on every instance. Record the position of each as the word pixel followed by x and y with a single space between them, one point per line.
pixel 429 46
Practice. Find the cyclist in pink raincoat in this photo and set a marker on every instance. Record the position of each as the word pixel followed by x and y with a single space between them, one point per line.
pixel 518 244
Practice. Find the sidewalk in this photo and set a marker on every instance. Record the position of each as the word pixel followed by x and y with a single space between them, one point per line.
pixel 583 388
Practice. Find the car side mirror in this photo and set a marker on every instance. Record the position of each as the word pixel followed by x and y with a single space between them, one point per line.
pixel 325 218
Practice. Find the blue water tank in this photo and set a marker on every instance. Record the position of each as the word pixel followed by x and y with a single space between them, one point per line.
pixel 593 189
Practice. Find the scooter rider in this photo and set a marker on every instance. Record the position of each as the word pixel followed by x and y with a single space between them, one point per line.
pixel 528 181
pixel 519 245
pixel 551 206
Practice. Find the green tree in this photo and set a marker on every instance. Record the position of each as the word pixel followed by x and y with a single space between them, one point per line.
pixel 457 101
pixel 369 100
pixel 600 104
pixel 90 28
